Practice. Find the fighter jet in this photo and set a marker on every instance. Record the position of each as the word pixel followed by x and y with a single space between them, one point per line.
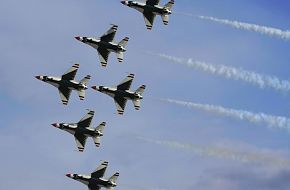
pixel 150 9
pixel 121 93
pixel 95 180
pixel 104 45
pixel 82 130
pixel 66 83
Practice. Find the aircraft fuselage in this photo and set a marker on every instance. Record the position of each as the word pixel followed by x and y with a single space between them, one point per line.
pixel 114 92
pixel 74 129
pixel 58 82
pixel 142 7
pixel 93 183
pixel 96 43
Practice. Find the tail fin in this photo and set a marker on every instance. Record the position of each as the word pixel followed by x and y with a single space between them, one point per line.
pixel 169 5
pixel 141 89
pixel 124 42
pixel 85 80
pixel 114 177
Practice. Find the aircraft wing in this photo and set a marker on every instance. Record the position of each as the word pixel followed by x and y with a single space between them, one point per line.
pixel 120 104
pixel 100 171
pixel 110 34
pixel 94 188
pixel 71 73
pixel 126 83
pixel 103 55
pixel 149 19
pixel 64 94
pixel 81 141
pixel 152 2
pixel 86 120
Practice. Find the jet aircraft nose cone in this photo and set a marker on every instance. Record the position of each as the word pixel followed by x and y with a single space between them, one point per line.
pixel 95 87
pixel 78 38
pixel 68 175
pixel 123 2
pixel 37 77
pixel 55 125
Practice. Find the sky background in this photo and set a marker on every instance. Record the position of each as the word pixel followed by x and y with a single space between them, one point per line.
pixel 37 38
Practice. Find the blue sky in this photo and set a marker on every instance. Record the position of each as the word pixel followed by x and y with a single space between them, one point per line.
pixel 37 38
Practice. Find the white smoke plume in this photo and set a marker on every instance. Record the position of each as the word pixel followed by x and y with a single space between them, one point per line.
pixel 251 77
pixel 225 153
pixel 257 118
pixel 270 31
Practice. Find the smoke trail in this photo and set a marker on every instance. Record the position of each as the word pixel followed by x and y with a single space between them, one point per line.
pixel 270 31
pixel 224 153
pixel 258 118
pixel 251 77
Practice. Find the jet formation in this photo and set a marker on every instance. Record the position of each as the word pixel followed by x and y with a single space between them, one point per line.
pixel 82 130
pixel 96 180
pixel 66 83
pixel 150 9
pixel 121 93
pixel 104 45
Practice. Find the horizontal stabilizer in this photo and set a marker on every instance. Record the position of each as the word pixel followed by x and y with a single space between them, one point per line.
pixel 82 94
pixel 85 80
pixel 97 141
pixel 169 5
pixel 114 177
pixel 101 127
pixel 120 56
pixel 137 104
pixel 141 89
pixel 124 42
pixel 165 19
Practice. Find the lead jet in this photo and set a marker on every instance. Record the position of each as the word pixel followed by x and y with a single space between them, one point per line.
pixel 82 130
pixel 66 83
pixel 104 45
pixel 150 9
pixel 121 93
pixel 96 180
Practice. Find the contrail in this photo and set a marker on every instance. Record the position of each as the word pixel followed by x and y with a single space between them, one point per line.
pixel 270 31
pixel 224 153
pixel 251 77
pixel 258 118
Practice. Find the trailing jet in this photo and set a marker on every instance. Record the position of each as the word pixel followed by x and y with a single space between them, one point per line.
pixel 121 93
pixel 66 83
pixel 150 9
pixel 95 180
pixel 82 130
pixel 104 45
